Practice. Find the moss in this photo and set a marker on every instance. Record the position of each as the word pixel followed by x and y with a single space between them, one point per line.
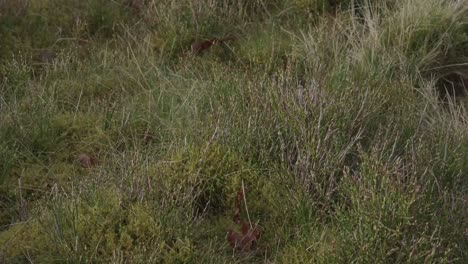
pixel 69 127
pixel 94 228
pixel 22 239
pixel 213 177
pixel 206 175
pixel 35 180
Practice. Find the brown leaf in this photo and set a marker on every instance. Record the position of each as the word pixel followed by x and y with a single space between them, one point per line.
pixel 247 241
pixel 254 231
pixel 237 210
pixel 234 238
pixel 245 228
pixel 239 241
pixel 199 47
pixel 86 160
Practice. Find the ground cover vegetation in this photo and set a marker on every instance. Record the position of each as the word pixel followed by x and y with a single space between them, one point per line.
pixel 233 131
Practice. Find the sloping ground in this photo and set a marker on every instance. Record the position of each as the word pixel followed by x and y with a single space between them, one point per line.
pixel 299 131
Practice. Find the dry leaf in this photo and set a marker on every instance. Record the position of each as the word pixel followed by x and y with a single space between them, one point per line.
pixel 86 160
pixel 199 47
pixel 237 210
pixel 247 241
pixel 254 231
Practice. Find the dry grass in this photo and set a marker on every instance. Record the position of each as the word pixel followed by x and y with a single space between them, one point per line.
pixel 123 147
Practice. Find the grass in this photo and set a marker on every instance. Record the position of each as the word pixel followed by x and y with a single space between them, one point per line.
pixel 331 115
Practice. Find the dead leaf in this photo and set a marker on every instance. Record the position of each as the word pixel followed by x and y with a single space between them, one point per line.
pixel 86 161
pixel 199 47
pixel 247 241
pixel 234 239
pixel 254 231
pixel 237 210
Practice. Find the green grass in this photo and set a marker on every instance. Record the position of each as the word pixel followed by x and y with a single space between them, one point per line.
pixel 327 113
